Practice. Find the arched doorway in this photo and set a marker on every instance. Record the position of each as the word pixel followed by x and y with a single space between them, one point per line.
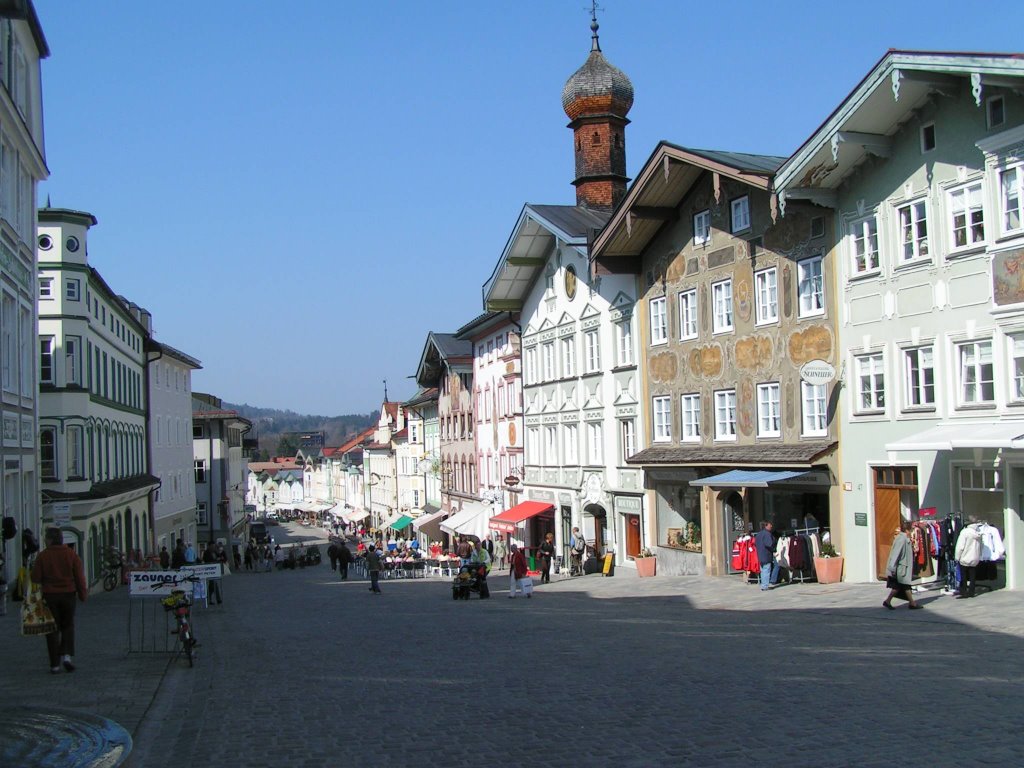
pixel 595 528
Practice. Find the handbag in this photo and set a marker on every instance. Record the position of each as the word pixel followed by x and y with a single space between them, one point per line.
pixel 36 616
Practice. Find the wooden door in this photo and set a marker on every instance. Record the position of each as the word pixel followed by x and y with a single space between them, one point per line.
pixel 887 520
pixel 632 535
pixel 598 536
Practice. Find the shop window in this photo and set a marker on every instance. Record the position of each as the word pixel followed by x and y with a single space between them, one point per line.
pixel 678 509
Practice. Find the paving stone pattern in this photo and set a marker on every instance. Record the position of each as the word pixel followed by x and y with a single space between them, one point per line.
pixel 300 669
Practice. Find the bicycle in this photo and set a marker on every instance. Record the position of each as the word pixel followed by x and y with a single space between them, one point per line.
pixel 180 603
pixel 113 570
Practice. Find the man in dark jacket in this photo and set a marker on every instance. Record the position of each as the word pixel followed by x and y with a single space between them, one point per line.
pixel 344 558
pixel 765 544
pixel 178 556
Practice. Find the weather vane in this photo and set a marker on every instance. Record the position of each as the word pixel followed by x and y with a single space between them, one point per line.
pixel 594 8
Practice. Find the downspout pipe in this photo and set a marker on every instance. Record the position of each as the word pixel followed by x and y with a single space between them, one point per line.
pixel 149 448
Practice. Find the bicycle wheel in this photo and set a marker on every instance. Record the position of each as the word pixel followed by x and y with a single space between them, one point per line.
pixel 109 581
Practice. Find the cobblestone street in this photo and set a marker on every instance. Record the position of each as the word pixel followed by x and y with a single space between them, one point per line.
pixel 301 669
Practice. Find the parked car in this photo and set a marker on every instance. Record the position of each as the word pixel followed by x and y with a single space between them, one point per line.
pixel 258 531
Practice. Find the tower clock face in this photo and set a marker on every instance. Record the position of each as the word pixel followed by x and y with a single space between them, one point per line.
pixel 570 282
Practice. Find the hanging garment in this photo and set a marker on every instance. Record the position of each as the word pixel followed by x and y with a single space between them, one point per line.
pixel 782 552
pixel 797 550
pixel 991 543
pixel 815 546
pixel 736 560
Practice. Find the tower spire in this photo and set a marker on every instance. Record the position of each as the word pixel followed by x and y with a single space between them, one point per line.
pixel 595 43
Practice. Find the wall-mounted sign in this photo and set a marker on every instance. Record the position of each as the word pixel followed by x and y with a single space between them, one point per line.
pixel 860 518
pixel 61 514
pixel 570 282
pixel 817 372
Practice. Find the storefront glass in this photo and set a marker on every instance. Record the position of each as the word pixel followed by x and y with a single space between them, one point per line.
pixel 679 516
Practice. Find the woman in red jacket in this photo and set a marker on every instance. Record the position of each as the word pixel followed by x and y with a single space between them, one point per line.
pixel 59 571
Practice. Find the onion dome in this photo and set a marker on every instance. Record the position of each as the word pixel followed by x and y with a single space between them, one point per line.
pixel 597 87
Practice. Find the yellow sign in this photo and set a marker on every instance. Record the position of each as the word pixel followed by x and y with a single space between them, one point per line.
pixel 607 564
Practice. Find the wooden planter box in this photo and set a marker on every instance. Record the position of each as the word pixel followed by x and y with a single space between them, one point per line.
pixel 646 566
pixel 829 570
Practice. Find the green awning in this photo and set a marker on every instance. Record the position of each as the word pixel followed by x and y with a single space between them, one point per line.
pixel 398 521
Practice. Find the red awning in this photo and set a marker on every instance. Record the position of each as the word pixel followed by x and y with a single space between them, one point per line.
pixel 508 519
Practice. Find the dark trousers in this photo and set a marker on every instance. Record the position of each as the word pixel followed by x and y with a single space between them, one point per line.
pixel 374 576
pixel 213 590
pixel 343 569
pixel 545 577
pixel 968 580
pixel 61 642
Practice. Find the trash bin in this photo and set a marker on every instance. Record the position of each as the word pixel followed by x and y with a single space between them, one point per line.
pixel 533 562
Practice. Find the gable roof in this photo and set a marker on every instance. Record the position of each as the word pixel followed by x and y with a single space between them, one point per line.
pixel 866 120
pixel 652 202
pixel 536 233
pixel 442 350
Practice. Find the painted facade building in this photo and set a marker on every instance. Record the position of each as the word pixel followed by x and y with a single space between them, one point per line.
pixel 170 431
pixel 427 523
pixel 923 165
pixel 732 306
pixel 93 401
pixel 23 166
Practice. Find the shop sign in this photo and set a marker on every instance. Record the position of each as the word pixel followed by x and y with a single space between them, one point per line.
pixel 860 518
pixel 817 372
pixel 61 514
pixel 628 505
pixel 819 479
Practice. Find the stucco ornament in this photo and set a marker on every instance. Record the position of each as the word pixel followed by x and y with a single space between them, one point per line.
pixel 745 407
pixel 663 367
pixel 755 353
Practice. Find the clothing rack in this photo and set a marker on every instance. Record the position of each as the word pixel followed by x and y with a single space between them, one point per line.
pixel 807 573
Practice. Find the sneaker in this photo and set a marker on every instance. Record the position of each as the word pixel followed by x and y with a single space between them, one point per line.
pixel 54 670
pixel 67 664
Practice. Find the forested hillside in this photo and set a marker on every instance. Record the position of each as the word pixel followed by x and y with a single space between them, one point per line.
pixel 278 431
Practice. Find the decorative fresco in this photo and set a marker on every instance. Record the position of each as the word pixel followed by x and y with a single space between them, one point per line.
pixel 787 290
pixel 755 353
pixel 745 407
pixel 789 233
pixel 663 367
pixel 813 343
pixel 707 361
pixel 742 291
pixel 1008 277
pixel 721 257
pixel 790 404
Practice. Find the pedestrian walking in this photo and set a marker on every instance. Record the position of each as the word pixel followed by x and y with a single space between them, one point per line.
pixel 968 554
pixel 165 558
pixel 213 595
pixel 577 545
pixel 764 542
pixel 899 568
pixel 517 573
pixel 344 558
pixel 236 557
pixel 500 553
pixel 178 558
pixel 248 557
pixel 373 568
pixel 332 553
pixel 190 553
pixel 547 552
pixel 58 570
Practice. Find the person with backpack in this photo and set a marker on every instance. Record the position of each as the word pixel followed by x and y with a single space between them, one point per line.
pixel 577 546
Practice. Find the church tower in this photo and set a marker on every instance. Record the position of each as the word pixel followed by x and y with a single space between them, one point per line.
pixel 597 99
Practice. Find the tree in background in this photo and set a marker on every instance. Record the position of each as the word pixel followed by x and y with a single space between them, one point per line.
pixel 288 445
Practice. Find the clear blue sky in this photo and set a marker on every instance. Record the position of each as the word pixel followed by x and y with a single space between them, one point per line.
pixel 300 191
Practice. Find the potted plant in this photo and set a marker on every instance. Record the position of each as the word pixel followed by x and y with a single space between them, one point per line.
pixel 646 563
pixel 828 566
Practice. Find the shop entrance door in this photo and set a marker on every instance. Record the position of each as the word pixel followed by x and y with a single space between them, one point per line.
pixel 632 535
pixel 734 523
pixel 895 488
pixel 599 536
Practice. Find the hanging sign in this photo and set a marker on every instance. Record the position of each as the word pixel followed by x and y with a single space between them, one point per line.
pixel 817 372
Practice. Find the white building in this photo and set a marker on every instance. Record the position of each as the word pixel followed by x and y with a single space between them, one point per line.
pixel 220 470
pixel 22 167
pixel 93 398
pixel 380 470
pixel 170 443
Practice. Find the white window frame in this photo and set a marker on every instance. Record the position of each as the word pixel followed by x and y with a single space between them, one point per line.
pixel 865 256
pixel 592 340
pixel 739 214
pixel 917 247
pixel 624 339
pixel 571 444
pixel 725 414
pixel 551 445
pixel 595 443
pixel 766 296
pixel 530 374
pixel 72 289
pixel 568 356
pixel 721 303
pixel 814 409
pixel 810 286
pixel 689 417
pixel 661 410
pixel 769 410
pixel 46 353
pixel 1017 370
pixel 46 289
pixel 702 228
pixel 627 435
pixel 48 467
pixel 72 360
pixel 659 320
pixel 547 353
pixel 1007 192
pixel 974 373
pixel 688 314
pixel 75 455
pixel 869 370
pixel 919 377
pixel 971 197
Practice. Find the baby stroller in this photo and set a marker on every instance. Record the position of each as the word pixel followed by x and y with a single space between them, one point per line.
pixel 470 578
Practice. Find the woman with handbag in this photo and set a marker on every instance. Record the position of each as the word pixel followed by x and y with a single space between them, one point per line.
pixel 517 573
pixel 899 568
pixel 58 570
